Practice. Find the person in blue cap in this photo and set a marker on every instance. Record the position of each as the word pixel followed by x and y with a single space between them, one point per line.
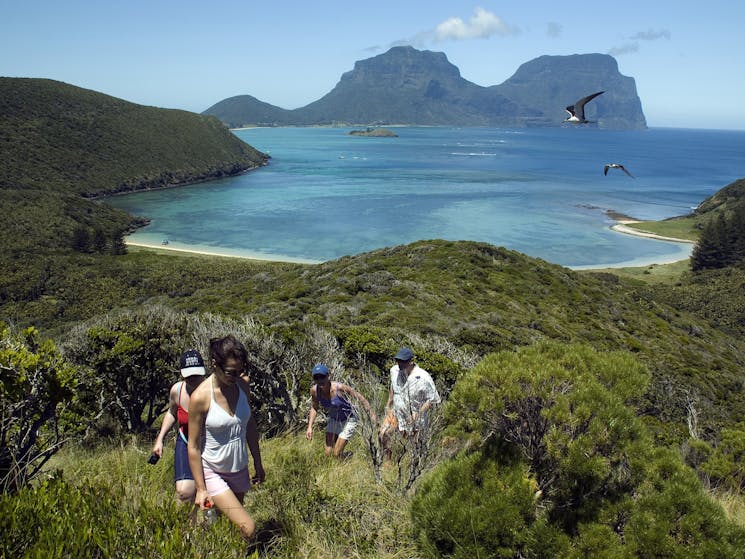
pixel 411 394
pixel 343 418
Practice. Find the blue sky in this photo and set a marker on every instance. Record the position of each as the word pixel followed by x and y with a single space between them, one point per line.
pixel 688 58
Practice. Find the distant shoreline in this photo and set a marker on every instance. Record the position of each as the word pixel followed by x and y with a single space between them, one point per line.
pixel 257 257
pixel 621 226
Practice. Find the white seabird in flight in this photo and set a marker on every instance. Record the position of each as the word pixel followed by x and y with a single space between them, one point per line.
pixel 616 166
pixel 577 111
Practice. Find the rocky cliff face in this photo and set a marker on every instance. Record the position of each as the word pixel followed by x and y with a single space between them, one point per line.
pixel 549 83
pixel 409 86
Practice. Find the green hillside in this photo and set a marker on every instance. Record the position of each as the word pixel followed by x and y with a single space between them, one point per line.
pixel 60 143
pixel 55 136
pixel 728 198
pixel 475 296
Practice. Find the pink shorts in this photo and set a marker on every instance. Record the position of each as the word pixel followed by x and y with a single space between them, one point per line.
pixel 219 482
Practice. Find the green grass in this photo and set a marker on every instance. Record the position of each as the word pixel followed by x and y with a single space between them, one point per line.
pixel 312 506
pixel 316 506
pixel 666 274
pixel 677 228
pixel 733 505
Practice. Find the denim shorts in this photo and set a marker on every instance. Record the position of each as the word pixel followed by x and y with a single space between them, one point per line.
pixel 181 469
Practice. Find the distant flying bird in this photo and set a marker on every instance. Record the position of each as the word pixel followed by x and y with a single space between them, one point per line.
pixel 577 111
pixel 616 166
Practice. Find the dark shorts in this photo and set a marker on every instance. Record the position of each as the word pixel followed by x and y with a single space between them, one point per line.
pixel 181 469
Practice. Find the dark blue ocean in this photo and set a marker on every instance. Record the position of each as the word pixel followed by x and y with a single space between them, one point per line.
pixel 326 194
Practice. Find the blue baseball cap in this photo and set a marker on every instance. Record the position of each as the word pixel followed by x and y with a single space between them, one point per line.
pixel 320 369
pixel 404 354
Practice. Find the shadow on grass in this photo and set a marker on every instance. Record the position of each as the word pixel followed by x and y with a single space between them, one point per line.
pixel 267 536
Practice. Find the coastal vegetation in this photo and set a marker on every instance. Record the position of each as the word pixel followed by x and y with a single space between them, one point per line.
pixel 586 414
pixel 722 239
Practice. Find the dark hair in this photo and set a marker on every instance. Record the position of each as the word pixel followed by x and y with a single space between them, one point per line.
pixel 222 349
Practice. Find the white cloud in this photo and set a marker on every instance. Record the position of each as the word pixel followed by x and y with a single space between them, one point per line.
pixel 651 35
pixel 482 25
pixel 633 46
pixel 624 49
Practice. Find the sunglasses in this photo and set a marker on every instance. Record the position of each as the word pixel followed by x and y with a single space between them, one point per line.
pixel 319 378
pixel 232 373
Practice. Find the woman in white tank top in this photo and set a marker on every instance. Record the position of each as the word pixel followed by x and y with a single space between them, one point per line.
pixel 220 426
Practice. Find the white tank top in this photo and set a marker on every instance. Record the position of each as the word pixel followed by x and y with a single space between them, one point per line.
pixel 224 440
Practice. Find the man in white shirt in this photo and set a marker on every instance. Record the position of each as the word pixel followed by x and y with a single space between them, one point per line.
pixel 411 394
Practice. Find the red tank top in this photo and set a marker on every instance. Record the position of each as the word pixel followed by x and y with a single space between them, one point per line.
pixel 182 416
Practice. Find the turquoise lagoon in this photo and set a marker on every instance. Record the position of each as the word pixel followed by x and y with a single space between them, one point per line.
pixel 326 194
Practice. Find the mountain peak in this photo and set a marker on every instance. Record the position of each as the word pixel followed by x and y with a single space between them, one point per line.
pixel 419 87
pixel 402 66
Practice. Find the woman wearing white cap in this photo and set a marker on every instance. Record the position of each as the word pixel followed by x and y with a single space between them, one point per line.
pixel 342 415
pixel 193 372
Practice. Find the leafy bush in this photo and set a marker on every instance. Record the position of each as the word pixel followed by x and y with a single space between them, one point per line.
pixel 563 416
pixel 671 516
pixel 477 507
pixel 725 466
pixel 37 387
pixel 564 408
pixel 130 359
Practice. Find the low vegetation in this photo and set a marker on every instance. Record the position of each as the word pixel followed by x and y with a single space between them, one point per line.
pixel 677 228
pixel 557 463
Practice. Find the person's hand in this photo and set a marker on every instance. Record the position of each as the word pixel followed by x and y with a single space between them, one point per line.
pixel 259 477
pixel 158 448
pixel 202 498
pixel 309 433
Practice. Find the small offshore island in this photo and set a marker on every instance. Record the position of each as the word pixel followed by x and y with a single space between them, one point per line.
pixel 374 132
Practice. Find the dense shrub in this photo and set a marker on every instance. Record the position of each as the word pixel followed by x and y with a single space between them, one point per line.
pixel 37 392
pixel 671 516
pixel 563 417
pixel 130 359
pixel 476 507
pixel 564 408
pixel 725 466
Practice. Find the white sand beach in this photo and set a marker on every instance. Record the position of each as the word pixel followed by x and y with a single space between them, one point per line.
pixel 622 227
pixel 240 254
